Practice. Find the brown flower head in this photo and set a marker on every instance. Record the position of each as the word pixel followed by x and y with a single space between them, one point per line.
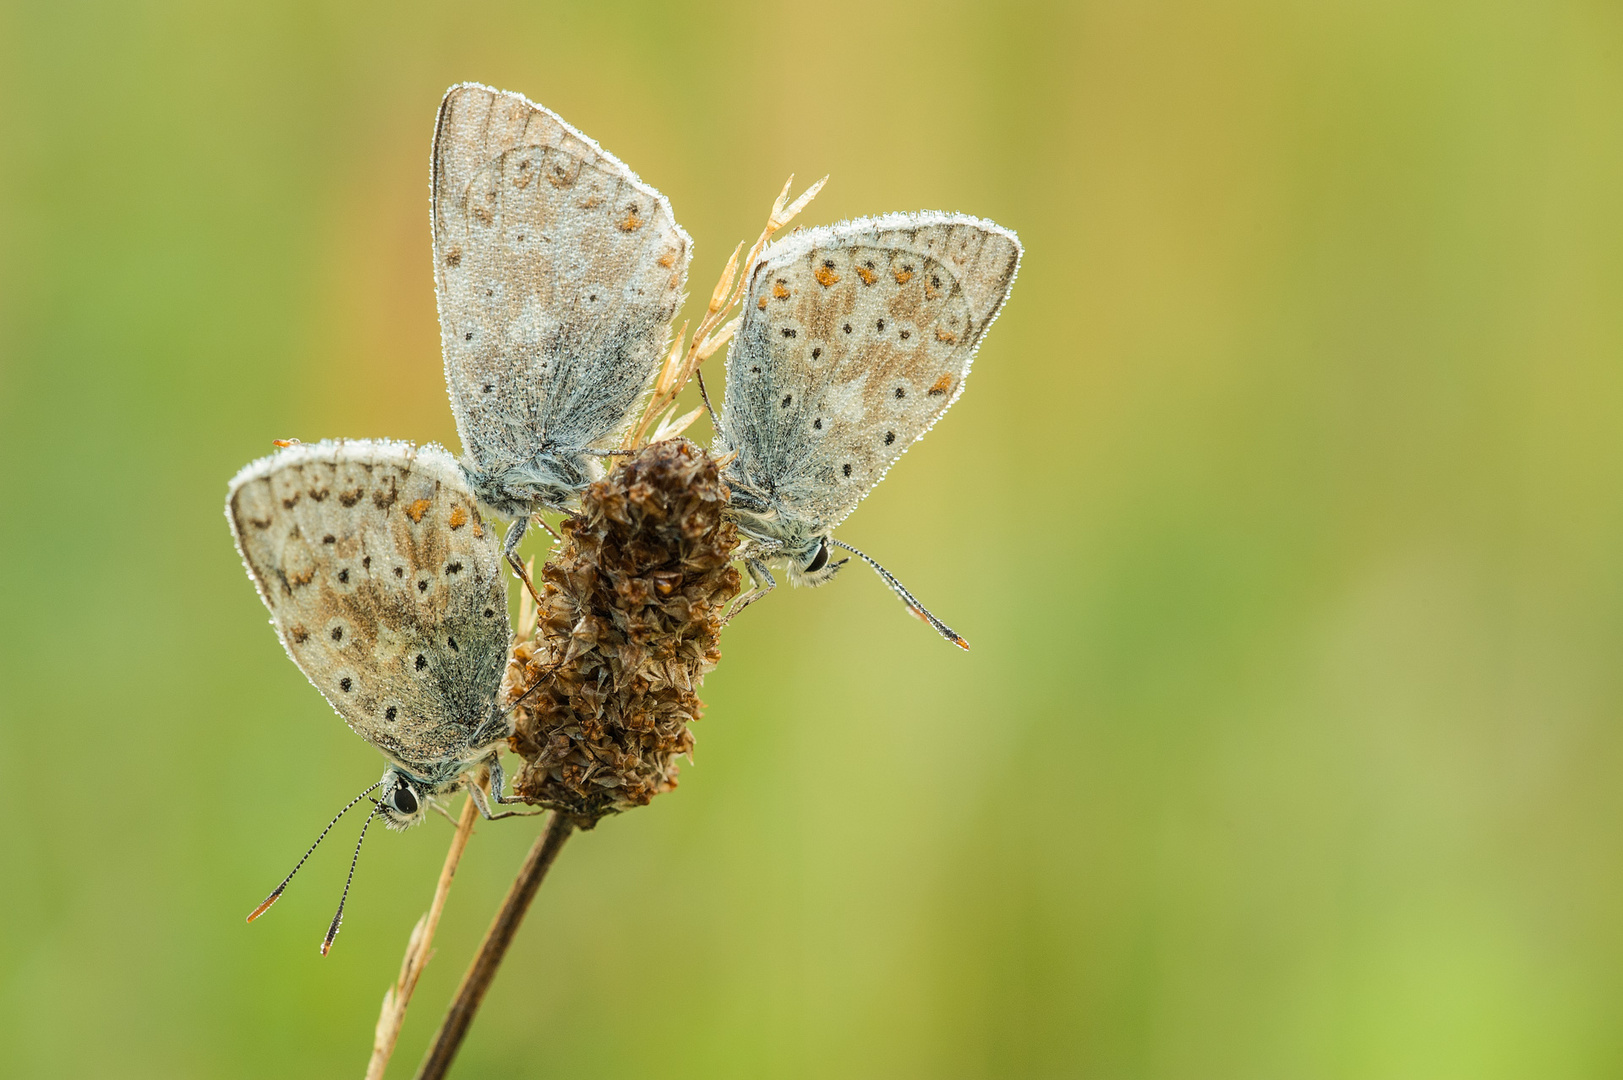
pixel 628 624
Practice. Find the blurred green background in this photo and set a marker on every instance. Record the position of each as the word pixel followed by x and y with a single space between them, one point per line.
pixel 1283 514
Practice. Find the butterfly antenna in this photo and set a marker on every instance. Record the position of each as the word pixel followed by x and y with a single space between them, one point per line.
pixel 277 893
pixel 338 917
pixel 919 610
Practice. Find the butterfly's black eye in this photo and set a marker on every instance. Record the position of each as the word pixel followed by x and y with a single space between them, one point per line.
pixel 819 560
pixel 404 800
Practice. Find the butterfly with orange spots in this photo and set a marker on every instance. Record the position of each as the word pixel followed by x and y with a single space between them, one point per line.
pixel 386 589
pixel 855 339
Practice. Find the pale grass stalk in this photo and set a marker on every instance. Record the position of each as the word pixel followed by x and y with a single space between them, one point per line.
pixel 526 604
pixel 419 949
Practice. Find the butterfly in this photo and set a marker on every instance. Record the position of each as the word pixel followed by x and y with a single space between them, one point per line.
pixel 386 590
pixel 855 339
pixel 558 272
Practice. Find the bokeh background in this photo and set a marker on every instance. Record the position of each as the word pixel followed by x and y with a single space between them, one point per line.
pixel 1283 513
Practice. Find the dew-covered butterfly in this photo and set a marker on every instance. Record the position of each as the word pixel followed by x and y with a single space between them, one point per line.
pixel 855 339
pixel 386 590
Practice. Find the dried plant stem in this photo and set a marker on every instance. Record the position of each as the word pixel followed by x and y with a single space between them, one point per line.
pixel 494 947
pixel 418 951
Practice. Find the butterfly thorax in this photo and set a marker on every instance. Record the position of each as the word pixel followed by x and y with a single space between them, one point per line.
pixel 551 479
pixel 439 777
pixel 476 739
pixel 769 532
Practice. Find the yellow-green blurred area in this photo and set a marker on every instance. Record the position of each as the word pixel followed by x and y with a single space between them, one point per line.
pixel 1282 512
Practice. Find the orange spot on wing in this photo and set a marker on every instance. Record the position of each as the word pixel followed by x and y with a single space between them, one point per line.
pixel 762 304
pixel 942 385
pixel 668 259
pixel 825 276
pixel 903 276
pixel 417 509
pixel 779 291
pixel 632 222
pixel 459 518
pixel 868 276
pixel 946 335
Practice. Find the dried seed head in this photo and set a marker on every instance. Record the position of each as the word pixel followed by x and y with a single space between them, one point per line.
pixel 628 625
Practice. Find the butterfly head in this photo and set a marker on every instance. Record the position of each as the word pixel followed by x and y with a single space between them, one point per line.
pixel 812 565
pixel 402 800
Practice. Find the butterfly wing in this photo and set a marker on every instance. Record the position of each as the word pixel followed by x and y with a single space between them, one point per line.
pixel 557 270
pixel 385 588
pixel 856 338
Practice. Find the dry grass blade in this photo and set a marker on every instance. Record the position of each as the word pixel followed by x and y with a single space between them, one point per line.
pixel 670 429
pixel 708 347
pixel 783 216
pixel 724 286
pixel 526 605
pixel 418 951
pixel 673 363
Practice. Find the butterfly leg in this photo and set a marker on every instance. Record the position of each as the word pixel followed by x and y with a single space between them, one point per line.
pixel 498 781
pixel 476 791
pixel 515 534
pixel 764 583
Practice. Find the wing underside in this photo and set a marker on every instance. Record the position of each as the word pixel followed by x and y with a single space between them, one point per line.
pixel 558 272
pixel 856 339
pixel 384 587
